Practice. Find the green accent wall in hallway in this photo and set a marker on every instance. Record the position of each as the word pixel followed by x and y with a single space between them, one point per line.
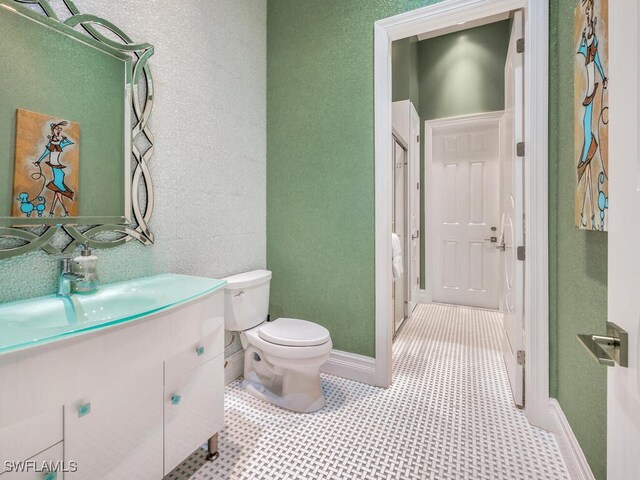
pixel 405 83
pixel 578 262
pixel 463 72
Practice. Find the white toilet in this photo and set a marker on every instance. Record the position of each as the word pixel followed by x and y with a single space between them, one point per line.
pixel 283 357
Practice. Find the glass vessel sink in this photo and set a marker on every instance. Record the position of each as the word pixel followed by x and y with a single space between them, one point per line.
pixel 45 319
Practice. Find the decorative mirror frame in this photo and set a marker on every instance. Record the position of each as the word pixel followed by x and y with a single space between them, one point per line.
pixel 141 105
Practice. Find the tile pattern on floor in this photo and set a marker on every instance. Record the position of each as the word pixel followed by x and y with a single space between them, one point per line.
pixel 448 416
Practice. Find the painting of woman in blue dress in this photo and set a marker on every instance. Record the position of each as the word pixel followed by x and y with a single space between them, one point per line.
pixel 591 83
pixel 51 155
pixel 46 166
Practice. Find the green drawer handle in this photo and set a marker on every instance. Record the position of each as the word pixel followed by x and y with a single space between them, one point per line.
pixel 175 399
pixel 84 409
pixel 50 476
pixel 200 351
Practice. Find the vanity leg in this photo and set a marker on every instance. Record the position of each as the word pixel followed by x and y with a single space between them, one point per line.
pixel 213 448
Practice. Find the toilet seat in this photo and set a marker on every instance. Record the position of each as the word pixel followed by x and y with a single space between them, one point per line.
pixel 292 332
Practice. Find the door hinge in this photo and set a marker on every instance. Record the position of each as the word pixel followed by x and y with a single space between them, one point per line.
pixel 418 186
pixel 520 253
pixel 417 280
pixel 418 138
pixel 520 357
pixel 520 149
pixel 520 45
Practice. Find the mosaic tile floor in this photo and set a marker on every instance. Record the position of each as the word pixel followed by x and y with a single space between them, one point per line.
pixel 448 415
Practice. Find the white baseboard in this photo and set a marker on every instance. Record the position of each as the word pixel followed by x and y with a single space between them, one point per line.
pixel 234 366
pixel 352 366
pixel 342 364
pixel 573 456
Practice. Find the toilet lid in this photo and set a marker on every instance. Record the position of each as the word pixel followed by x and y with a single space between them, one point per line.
pixel 294 333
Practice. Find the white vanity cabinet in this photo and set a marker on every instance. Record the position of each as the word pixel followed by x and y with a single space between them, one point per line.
pixel 193 409
pixel 51 456
pixel 28 439
pixel 116 432
pixel 130 401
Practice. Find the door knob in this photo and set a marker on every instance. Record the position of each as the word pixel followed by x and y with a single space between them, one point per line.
pixel 610 349
pixel 415 235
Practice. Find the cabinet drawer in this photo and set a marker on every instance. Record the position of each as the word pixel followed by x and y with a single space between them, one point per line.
pixel 196 341
pixel 116 433
pixel 193 411
pixel 51 458
pixel 28 437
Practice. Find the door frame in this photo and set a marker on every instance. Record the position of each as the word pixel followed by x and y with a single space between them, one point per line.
pixel 486 117
pixel 536 315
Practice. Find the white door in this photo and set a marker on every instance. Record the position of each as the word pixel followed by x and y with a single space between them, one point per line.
pixel 463 174
pixel 623 394
pixel 511 230
pixel 414 207
pixel 399 228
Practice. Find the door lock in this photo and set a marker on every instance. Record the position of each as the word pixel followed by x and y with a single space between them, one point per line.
pixel 492 239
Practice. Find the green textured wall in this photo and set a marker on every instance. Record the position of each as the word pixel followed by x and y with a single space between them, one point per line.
pixel 405 83
pixel 578 262
pixel 463 72
pixel 320 214
pixel 56 75
pixel 460 74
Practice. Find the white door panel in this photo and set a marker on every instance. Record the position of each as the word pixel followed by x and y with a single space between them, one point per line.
pixel 623 387
pixel 406 127
pixel 512 229
pixel 464 185
pixel 399 228
pixel 414 206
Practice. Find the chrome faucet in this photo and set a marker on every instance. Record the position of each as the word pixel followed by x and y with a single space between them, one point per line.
pixel 65 277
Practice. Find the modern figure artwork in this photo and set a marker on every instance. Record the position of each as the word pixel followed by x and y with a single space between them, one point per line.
pixel 591 115
pixel 46 166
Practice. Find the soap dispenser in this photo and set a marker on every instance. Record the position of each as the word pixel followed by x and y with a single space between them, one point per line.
pixel 86 265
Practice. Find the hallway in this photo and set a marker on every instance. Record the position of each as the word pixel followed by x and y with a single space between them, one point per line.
pixel 448 416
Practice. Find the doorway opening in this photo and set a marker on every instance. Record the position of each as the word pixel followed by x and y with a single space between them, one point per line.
pixel 466 86
pixel 497 132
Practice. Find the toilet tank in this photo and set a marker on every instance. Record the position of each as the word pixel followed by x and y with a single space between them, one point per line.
pixel 246 300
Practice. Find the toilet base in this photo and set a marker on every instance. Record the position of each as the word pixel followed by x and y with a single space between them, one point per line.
pixel 299 393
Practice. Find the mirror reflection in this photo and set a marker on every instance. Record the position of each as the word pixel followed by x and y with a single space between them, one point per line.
pixel 64 124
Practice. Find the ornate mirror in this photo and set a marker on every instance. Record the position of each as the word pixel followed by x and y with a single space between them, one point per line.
pixel 76 100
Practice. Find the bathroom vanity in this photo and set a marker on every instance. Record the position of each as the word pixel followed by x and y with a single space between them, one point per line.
pixel 122 384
